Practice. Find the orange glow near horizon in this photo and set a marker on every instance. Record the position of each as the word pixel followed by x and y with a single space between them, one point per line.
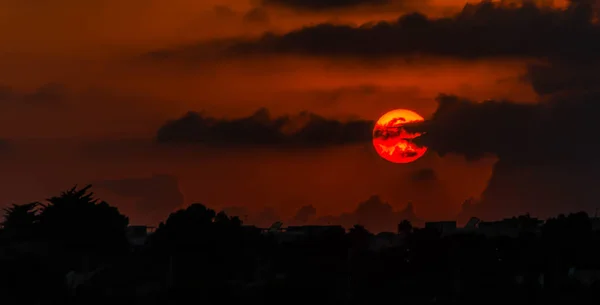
pixel 392 142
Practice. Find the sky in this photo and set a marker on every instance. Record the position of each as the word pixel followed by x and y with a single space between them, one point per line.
pixel 117 94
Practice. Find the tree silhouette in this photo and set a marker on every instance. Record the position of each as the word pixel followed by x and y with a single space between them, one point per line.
pixel 195 228
pixel 19 228
pixel 572 228
pixel 202 254
pixel 205 249
pixel 525 222
pixel 359 237
pixel 405 227
pixel 20 221
pixel 77 225
pixel 358 229
pixel 59 236
pixel 567 239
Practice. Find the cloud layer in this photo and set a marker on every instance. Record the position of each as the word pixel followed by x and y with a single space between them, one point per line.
pixel 303 130
pixel 4 145
pixel 322 4
pixel 561 75
pixel 558 130
pixel 373 213
pixel 548 158
pixel 480 30
pixel 46 95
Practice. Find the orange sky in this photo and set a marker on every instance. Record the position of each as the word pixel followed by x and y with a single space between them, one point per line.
pixel 94 50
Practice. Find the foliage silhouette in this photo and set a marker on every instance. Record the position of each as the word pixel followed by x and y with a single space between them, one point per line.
pixel 72 231
pixel 206 250
pixel 405 227
pixel 359 237
pixel 20 221
pixel 77 223
pixel 199 254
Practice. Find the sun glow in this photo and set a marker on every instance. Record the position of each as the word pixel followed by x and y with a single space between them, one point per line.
pixel 392 142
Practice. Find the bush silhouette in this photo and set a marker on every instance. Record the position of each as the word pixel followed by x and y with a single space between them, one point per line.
pixel 20 222
pixel 78 226
pixel 198 253
pixel 205 250
pixel 72 231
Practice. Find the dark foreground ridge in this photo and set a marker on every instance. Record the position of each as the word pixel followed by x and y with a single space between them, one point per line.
pixel 74 249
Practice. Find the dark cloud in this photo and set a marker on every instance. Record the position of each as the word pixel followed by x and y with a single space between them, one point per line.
pixel 564 76
pixel 547 152
pixel 262 219
pixel 154 196
pixel 375 215
pixel 50 94
pixel 425 174
pixel 408 213
pixel 6 93
pixel 333 97
pixel 196 52
pixel 431 195
pixel 238 211
pixel 303 130
pixel 224 11
pixel 477 129
pixel 4 146
pixel 560 129
pixel 316 5
pixel 544 190
pixel 266 217
pixel 480 30
pixel 257 15
pixel 305 214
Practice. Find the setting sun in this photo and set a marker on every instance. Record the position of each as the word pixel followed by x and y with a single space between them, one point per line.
pixel 392 142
